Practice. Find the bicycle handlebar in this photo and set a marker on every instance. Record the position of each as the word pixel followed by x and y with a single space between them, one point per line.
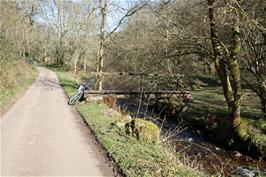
pixel 87 84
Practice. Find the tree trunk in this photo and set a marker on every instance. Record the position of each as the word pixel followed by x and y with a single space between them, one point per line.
pixel 263 107
pixel 262 91
pixel 61 53
pixel 228 66
pixel 219 62
pixel 235 72
pixel 77 57
pixel 85 64
pixel 26 34
pixel 75 65
pixel 101 45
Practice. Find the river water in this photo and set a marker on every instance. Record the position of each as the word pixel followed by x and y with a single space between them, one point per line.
pixel 202 153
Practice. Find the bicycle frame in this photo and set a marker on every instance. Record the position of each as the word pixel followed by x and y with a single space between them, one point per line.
pixel 78 95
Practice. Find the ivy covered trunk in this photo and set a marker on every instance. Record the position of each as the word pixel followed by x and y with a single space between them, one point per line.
pixel 227 68
pixel 235 72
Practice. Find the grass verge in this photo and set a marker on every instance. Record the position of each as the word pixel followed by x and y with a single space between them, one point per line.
pixel 132 157
pixel 15 77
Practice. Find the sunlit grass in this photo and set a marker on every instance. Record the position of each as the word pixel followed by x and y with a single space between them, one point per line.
pixel 133 158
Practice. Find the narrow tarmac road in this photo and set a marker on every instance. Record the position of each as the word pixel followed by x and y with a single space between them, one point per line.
pixel 42 136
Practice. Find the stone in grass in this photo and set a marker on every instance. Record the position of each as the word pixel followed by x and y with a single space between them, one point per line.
pixel 145 131
pixel 122 120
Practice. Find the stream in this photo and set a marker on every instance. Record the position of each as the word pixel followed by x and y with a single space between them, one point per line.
pixel 202 153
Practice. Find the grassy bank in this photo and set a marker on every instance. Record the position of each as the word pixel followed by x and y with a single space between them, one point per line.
pixel 132 157
pixel 210 108
pixel 15 77
pixel 208 112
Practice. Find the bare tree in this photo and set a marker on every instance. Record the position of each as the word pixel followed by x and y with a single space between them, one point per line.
pixel 254 55
pixel 71 24
pixel 104 4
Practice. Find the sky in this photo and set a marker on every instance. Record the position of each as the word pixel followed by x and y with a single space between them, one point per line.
pixel 115 11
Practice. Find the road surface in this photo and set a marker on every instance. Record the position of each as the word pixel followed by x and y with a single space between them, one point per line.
pixel 42 136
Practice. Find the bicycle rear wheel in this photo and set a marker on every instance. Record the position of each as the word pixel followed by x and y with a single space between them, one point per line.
pixel 74 99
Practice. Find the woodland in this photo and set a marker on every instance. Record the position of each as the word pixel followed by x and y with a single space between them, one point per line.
pixel 215 50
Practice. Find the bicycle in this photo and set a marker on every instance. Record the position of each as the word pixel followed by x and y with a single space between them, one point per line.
pixel 79 94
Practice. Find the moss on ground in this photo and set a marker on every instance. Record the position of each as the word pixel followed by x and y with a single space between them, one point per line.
pixel 145 131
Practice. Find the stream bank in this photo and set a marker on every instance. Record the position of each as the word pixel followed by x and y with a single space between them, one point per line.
pixel 193 144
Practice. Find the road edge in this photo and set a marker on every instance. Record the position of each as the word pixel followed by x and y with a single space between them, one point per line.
pixel 117 171
pixel 19 95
